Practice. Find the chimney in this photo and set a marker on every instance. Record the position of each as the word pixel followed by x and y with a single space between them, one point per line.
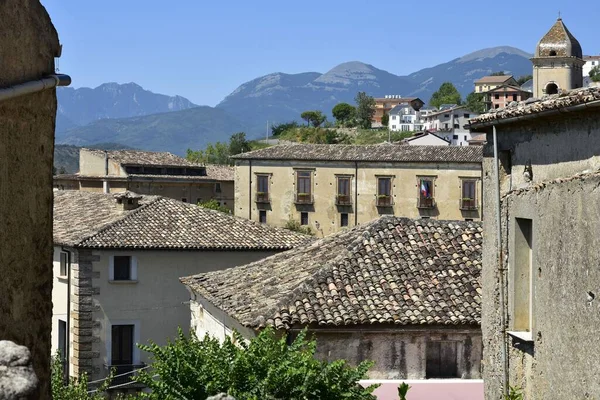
pixel 105 183
pixel 127 201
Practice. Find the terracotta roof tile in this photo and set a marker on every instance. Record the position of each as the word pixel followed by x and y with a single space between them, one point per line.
pixel 138 157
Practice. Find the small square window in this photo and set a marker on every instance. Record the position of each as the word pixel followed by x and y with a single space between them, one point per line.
pixel 303 218
pixel 262 216
pixel 344 219
pixel 497 96
pixel 184 199
pixel 122 268
pixel 63 264
pixel 467 115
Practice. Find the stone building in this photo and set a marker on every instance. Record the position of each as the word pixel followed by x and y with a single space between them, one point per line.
pixel 152 173
pixel 28 47
pixel 540 310
pixel 403 293
pixel 117 263
pixel 331 187
pixel 558 62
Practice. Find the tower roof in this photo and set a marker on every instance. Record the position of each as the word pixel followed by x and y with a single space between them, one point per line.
pixel 558 42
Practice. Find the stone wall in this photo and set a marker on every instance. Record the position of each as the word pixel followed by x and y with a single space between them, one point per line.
pixel 28 45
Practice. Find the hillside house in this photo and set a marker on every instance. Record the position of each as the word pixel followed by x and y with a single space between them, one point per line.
pixel 449 123
pixel 332 187
pixel 151 173
pixel 590 62
pixel 403 293
pixel 487 83
pixel 404 118
pixel 117 260
pixel 383 105
pixel 501 96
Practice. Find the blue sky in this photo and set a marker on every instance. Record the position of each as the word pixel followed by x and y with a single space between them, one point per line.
pixel 203 49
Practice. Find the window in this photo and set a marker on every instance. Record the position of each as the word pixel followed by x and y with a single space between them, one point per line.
pixel 393 126
pixel 262 188
pixel 343 190
pixel 515 97
pixel 175 171
pixel 393 117
pixel 446 126
pixel 217 187
pixel 183 199
pixel 262 216
pixel 153 170
pixel 465 138
pixel 467 115
pixel 455 137
pixel 122 268
pixel 441 360
pixel 469 190
pixel 497 96
pixel 456 126
pixel 303 218
pixel 62 340
pixel 303 187
pixel 64 264
pixel 552 53
pixel 446 115
pixel 496 105
pixel 522 278
pixel 384 191
pixel 122 343
pixel 344 219
pixel 551 88
pixel 426 196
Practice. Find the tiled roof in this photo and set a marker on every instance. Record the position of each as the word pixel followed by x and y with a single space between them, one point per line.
pixel 390 271
pixel 92 220
pixel 137 157
pixel 379 152
pixel 494 79
pixel 538 106
pixel 560 41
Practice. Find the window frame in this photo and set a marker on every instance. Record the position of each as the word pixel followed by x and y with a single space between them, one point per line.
pixel 303 215
pixel 304 197
pixel 136 339
pixel 263 196
pixel 262 216
pixel 344 216
pixel 423 201
pixel 63 269
pixel 133 267
pixel 343 198
pixel 471 204
pixel 435 361
pixel 385 200
pixel 523 248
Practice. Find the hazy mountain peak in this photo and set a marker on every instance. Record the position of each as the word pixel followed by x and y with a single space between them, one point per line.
pixel 492 52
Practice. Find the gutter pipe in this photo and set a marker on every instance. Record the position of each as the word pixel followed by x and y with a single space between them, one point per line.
pixel 22 89
pixel 500 265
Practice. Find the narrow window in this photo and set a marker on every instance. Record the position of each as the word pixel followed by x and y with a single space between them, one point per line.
pixel 303 187
pixel 441 360
pixel 62 340
pixel 455 137
pixel 64 257
pixel 514 97
pixel 344 219
pixel 122 343
pixel 262 216
pixel 262 188
pixel 384 191
pixel 469 190
pixel 426 195
pixel 303 218
pixel 217 187
pixel 343 190
pixel 122 268
pixel 522 275
pixel 497 96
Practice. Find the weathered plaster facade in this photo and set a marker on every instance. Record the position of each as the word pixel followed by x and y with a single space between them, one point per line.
pixel 324 215
pixel 29 44
pixel 556 356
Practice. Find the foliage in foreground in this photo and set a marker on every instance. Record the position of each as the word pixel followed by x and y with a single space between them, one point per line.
pixel 514 393
pixel 403 390
pixel 213 204
pixel 265 368
pixel 295 226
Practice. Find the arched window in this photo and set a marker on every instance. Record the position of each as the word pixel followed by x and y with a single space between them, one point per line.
pixel 552 53
pixel 551 88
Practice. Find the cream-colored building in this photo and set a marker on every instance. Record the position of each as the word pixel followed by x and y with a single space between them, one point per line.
pixel 558 62
pixel 331 187
pixel 117 263
pixel 490 82
pixel 152 173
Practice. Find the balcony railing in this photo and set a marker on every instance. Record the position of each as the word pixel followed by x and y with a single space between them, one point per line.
pixel 262 197
pixel 384 201
pixel 468 204
pixel 426 202
pixel 123 372
pixel 343 200
pixel 304 198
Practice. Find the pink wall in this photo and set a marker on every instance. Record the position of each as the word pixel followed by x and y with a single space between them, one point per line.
pixel 438 389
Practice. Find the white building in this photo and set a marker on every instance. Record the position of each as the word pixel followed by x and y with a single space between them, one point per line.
pixel 404 118
pixel 590 62
pixel 450 124
pixel 426 138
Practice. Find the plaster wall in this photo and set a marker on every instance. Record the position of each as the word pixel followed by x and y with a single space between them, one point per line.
pixel 325 216
pixel 567 73
pixel 28 45
pixel 428 140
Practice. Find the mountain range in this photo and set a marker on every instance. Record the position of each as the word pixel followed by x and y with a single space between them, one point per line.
pixel 129 115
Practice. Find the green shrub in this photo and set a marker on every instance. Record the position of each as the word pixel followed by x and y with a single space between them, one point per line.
pixel 295 226
pixel 214 205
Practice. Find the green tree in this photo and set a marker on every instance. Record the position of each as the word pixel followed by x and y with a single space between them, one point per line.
pixel 217 153
pixel 365 109
pixel 315 118
pixel 213 204
pixel 295 226
pixel 265 368
pixel 343 113
pixel 446 94
pixel 278 129
pixel 595 73
pixel 238 144
pixel 498 73
pixel 385 119
pixel 475 102
pixel 524 78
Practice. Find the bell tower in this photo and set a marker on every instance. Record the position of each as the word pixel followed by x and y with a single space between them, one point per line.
pixel 558 62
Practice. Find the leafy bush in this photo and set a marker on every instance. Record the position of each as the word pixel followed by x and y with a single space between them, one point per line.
pixel 265 368
pixel 214 205
pixel 402 390
pixel 295 226
pixel 514 394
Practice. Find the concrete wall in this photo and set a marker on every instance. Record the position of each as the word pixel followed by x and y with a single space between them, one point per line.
pixel 156 303
pixel 567 73
pixel 324 215
pixel 428 140
pixel 28 45
pixel 560 359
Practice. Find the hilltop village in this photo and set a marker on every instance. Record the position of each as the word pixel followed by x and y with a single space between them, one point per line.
pixel 459 259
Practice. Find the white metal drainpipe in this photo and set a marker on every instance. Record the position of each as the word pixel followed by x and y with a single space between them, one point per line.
pixel 22 89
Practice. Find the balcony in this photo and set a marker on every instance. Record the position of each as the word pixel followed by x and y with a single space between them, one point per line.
pixel 263 197
pixel 468 204
pixel 426 202
pixel 384 201
pixel 123 373
pixel 304 198
pixel 343 200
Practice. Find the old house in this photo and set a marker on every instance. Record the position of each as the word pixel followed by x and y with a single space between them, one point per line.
pixel 540 276
pixel 28 47
pixel 383 105
pixel 487 83
pixel 449 123
pixel 501 96
pixel 117 260
pixel 404 118
pixel 332 187
pixel 403 293
pixel 152 173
